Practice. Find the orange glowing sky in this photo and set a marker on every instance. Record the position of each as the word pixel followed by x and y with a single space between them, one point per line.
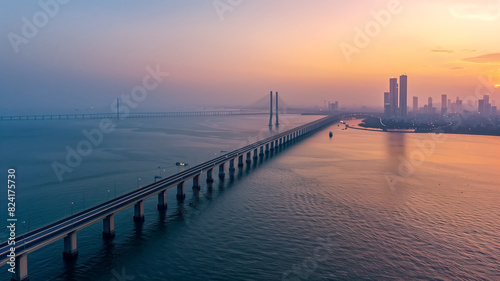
pixel 292 46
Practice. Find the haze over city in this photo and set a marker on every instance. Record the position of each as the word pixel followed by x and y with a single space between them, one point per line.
pixel 85 56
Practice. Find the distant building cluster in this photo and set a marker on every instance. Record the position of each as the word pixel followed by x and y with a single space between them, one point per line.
pixel 481 107
pixel 395 101
pixel 484 107
pixel 333 106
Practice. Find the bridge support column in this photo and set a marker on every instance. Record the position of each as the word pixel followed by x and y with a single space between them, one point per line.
pixel 180 191
pixel 108 227
pixel 255 154
pixel 231 167
pixel 139 212
pixel 267 148
pixel 210 179
pixel 21 268
pixel 196 182
pixel 240 161
pixel 249 158
pixel 162 200
pixel 221 171
pixel 261 151
pixel 70 250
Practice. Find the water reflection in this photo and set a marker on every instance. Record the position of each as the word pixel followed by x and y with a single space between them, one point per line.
pixel 396 149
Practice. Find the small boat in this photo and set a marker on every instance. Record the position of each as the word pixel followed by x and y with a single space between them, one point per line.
pixel 330 134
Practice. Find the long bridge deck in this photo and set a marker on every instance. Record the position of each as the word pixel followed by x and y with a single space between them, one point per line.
pixel 67 227
pixel 128 115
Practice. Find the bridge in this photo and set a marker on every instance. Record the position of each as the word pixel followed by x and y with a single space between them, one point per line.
pixel 67 228
pixel 129 115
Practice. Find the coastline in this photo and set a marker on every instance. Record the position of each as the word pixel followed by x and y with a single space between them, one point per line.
pixel 430 132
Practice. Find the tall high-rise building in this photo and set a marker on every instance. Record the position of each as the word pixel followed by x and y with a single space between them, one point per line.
pixel 415 104
pixel 387 104
pixel 444 104
pixel 487 109
pixel 430 108
pixel 403 94
pixel 459 108
pixel 393 92
pixel 480 107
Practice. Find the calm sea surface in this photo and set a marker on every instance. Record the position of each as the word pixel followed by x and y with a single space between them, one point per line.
pixel 362 205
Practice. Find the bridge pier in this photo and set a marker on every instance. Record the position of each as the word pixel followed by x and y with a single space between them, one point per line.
pixel 70 250
pixel 267 148
pixel 255 154
pixel 240 161
pixel 21 268
pixel 108 226
pixel 271 148
pixel 162 200
pixel 221 171
pixel 231 167
pixel 261 151
pixel 196 182
pixel 249 156
pixel 210 179
pixel 180 191
pixel 139 211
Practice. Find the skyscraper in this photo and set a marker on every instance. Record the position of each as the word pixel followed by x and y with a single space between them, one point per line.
pixel 415 104
pixel 486 99
pixel 444 104
pixel 480 107
pixel 387 104
pixel 393 93
pixel 403 94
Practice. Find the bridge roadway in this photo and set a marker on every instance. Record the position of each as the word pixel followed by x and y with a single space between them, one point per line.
pixel 65 227
pixel 128 115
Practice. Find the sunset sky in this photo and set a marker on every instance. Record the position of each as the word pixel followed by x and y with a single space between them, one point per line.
pixel 88 53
